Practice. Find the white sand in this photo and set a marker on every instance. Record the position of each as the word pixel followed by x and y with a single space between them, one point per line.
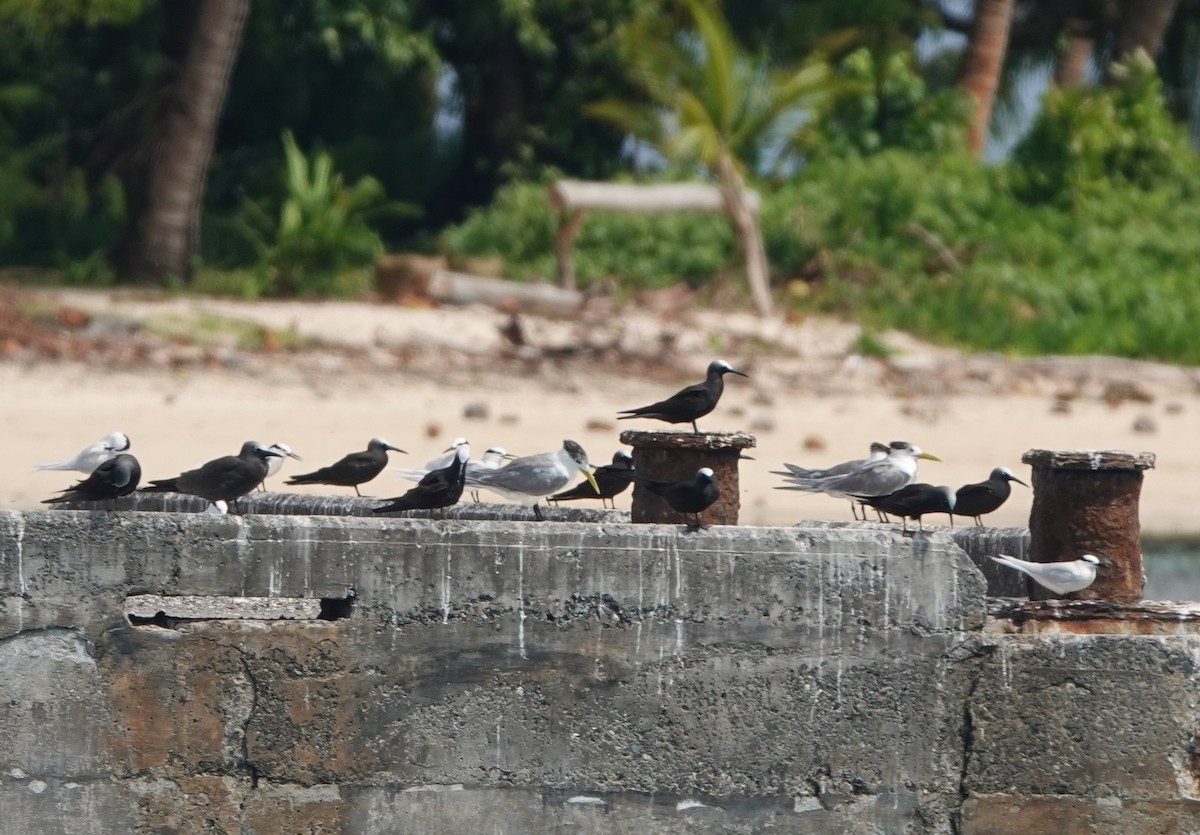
pixel 326 407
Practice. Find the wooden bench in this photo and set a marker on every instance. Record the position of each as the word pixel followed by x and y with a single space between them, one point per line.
pixel 571 198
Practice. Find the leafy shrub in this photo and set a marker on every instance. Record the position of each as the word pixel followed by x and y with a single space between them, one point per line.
pixel 322 239
pixel 1086 141
pixel 881 103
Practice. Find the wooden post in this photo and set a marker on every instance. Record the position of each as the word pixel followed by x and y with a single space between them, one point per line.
pixel 568 225
pixel 1086 502
pixel 676 456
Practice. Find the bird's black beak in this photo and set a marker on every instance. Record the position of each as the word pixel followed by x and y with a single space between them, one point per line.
pixel 294 455
pixel 739 373
pixel 395 449
pixel 1018 481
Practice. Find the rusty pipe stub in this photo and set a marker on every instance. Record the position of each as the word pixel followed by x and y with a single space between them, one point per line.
pixel 1086 502
pixel 664 455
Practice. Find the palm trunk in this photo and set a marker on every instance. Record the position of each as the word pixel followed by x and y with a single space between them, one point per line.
pixel 981 67
pixel 1073 59
pixel 161 236
pixel 745 224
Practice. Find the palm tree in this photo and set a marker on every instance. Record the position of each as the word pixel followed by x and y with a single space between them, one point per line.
pixel 161 232
pixel 982 63
pixel 710 102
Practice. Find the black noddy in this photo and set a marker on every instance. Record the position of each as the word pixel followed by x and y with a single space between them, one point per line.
pixel 974 500
pixel 913 501
pixel 692 402
pixel 442 487
pixel 355 469
pixel 224 479
pixel 112 479
pixel 611 480
pixel 692 496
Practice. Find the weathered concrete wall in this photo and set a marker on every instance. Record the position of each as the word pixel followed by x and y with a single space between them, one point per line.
pixel 523 677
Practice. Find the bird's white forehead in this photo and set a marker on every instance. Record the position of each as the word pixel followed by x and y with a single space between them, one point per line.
pixel 705 471
pixel 1090 558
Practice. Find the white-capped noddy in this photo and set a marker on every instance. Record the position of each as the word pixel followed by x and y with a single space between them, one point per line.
pixel 913 501
pixel 974 500
pixel 224 479
pixel 693 496
pixel 440 487
pixel 354 469
pixel 91 457
pixel 691 403
pixel 112 479
pixel 611 480
pixel 1059 577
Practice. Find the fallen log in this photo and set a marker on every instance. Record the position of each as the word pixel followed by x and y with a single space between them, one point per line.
pixel 450 287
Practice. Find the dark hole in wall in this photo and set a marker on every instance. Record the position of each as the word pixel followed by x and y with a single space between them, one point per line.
pixel 159 619
pixel 336 608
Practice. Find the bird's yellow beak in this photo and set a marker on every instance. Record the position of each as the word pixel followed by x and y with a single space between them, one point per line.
pixel 592 481
pixel 929 457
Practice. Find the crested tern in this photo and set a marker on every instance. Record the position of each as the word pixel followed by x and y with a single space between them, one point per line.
pixel 527 479
pixel 692 496
pixel 881 477
pixel 112 479
pixel 974 500
pixel 691 403
pixel 792 472
pixel 611 480
pixel 91 457
pixel 913 501
pixel 224 479
pixel 352 470
pixel 440 487
pixel 1059 577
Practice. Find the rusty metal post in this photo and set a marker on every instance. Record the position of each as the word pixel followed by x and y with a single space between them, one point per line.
pixel 1086 502
pixel 675 456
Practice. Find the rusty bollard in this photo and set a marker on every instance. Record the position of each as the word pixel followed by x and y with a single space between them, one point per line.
pixel 1086 502
pixel 675 456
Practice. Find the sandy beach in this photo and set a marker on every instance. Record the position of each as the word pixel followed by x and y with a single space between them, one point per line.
pixel 410 374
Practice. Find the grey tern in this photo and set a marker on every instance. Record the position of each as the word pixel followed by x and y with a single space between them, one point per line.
pixel 1059 577
pixel 913 501
pixel 224 479
pixel 611 480
pixel 112 479
pixel 91 457
pixel 274 465
pixel 525 480
pixel 881 477
pixel 352 470
pixel 974 500
pixel 794 473
pixel 692 402
pixel 692 496
pixel 439 488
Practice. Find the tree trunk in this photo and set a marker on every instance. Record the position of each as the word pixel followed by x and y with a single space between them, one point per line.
pixel 1079 44
pixel 162 231
pixel 745 224
pixel 1143 25
pixel 981 66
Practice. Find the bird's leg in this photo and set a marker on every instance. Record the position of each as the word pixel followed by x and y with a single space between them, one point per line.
pixel 854 510
pixel 951 515
pixel 356 491
pixel 537 512
pixel 979 521
pixel 695 428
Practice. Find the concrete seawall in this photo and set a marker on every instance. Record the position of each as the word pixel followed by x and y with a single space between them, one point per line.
pixel 164 672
